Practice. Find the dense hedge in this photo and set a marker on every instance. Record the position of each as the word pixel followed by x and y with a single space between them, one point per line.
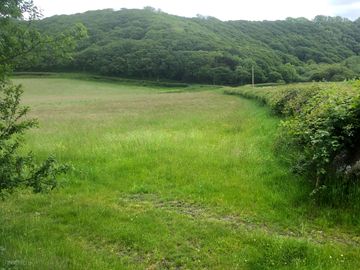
pixel 322 126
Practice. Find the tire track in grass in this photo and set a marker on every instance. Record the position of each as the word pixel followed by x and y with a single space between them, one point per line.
pixel 199 212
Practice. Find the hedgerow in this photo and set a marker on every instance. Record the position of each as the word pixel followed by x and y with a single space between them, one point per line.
pixel 322 126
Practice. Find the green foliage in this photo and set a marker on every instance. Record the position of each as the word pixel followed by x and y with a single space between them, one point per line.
pixel 150 44
pixel 289 73
pixel 22 44
pixel 333 72
pixel 323 125
pixel 353 63
pixel 19 42
pixel 16 9
pixel 17 170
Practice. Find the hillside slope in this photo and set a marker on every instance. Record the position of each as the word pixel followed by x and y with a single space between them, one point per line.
pixel 154 45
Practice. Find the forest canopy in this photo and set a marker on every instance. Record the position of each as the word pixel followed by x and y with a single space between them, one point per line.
pixel 150 44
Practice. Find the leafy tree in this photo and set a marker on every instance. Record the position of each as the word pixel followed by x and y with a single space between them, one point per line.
pixel 223 75
pixel 243 75
pixel 275 76
pixel 289 73
pixel 332 72
pixel 353 63
pixel 18 41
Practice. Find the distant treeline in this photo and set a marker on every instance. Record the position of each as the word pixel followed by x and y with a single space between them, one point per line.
pixel 150 44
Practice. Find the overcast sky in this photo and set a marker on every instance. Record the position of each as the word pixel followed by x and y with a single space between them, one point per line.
pixel 224 9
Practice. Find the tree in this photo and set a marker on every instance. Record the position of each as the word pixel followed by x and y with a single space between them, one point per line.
pixel 223 75
pixel 243 75
pixel 289 73
pixel 275 76
pixel 18 40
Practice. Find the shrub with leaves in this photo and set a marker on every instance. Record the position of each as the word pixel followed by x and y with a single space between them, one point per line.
pixel 326 130
pixel 18 170
pixel 322 126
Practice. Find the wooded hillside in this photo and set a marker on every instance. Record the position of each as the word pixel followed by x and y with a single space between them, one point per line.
pixel 150 44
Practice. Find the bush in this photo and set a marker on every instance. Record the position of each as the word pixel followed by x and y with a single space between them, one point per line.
pixel 18 170
pixel 322 125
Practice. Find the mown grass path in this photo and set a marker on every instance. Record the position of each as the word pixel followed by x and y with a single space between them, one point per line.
pixel 166 179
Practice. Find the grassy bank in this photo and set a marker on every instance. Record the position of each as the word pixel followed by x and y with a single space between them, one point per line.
pixel 165 179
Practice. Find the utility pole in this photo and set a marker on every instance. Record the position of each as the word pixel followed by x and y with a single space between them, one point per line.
pixel 253 76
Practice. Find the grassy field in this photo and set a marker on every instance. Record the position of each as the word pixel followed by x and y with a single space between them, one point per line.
pixel 166 178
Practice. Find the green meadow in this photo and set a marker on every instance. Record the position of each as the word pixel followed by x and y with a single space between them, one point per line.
pixel 165 178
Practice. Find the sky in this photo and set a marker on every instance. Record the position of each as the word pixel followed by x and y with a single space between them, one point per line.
pixel 223 10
